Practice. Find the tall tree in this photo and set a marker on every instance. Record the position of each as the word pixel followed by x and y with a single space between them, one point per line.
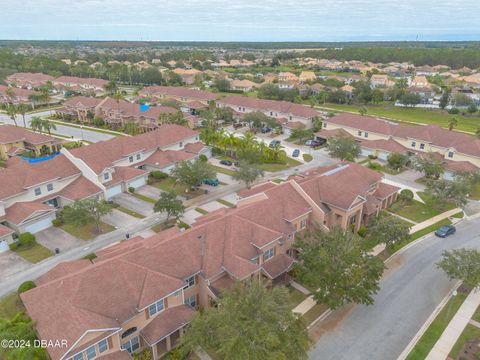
pixel 192 173
pixel 12 113
pixel 455 191
pixel 343 148
pixel 247 173
pixel 132 128
pixel 260 326
pixel 22 110
pixel 48 126
pixel 36 124
pixel 169 204
pixel 430 165
pixel 173 118
pixel 453 122
pixel 388 230
pixel 462 264
pixel 86 211
pixel 338 264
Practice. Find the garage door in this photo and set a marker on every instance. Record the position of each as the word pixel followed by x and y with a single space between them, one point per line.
pixel 39 225
pixel 366 152
pixel 137 183
pixel 383 155
pixel 114 190
pixel 3 246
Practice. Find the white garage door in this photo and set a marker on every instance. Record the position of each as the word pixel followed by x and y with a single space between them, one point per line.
pixel 114 190
pixel 383 155
pixel 39 225
pixel 137 183
pixel 3 246
pixel 366 152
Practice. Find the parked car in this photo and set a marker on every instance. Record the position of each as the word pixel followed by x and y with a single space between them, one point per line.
pixel 266 130
pixel 273 143
pixel 296 153
pixel 211 182
pixel 226 162
pixel 315 143
pixel 445 231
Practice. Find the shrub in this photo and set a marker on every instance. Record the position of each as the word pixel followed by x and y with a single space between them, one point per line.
pixel 26 239
pixel 98 122
pixel 131 189
pixel 203 157
pixel 372 157
pixel 362 231
pixel 406 195
pixel 25 286
pixel 159 175
pixel 183 225
pixel 13 246
pixel 453 111
pixel 90 256
pixel 374 166
pixel 57 222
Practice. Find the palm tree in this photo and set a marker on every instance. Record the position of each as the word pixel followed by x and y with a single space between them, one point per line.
pixel 10 93
pixel 12 113
pixel 36 124
pixel 48 126
pixel 22 110
pixel 276 150
pixel 132 128
pixel 232 142
pixel 452 123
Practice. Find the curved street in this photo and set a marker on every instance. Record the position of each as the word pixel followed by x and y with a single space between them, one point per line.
pixel 411 289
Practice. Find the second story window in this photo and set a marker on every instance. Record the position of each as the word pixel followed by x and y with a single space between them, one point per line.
pixel 192 301
pixel 180 144
pixel 157 307
pixel 129 332
pixel 103 345
pixel 91 352
pixel 303 224
pixel 130 159
pixel 359 133
pixel 38 191
pixel 190 282
pixel 106 176
pixel 49 187
pixel 422 146
pixel 366 134
pixel 139 156
pixel 414 143
pixel 78 356
pixel 450 154
pixel 267 255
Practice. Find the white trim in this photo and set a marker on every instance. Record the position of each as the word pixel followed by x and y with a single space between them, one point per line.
pixel 85 333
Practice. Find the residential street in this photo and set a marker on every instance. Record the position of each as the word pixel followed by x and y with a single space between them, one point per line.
pixel 79 134
pixel 410 291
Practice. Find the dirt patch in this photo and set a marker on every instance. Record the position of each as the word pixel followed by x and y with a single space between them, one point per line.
pixel 330 323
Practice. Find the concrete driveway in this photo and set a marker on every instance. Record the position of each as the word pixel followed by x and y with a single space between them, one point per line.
pixel 150 191
pixel 131 202
pixel 212 206
pixel 190 215
pixel 54 237
pixel 11 263
pixel 119 219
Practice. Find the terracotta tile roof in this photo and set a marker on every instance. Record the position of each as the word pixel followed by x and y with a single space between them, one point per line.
pixel 196 105
pixel 117 355
pixel 4 231
pixel 79 189
pixel 82 102
pixel 327 134
pixel 194 148
pixel 18 92
pixel 386 145
pixel 20 174
pixel 80 81
pixel 385 190
pixel 278 265
pixel 372 205
pixel 132 110
pixel 21 211
pixel 166 323
pixel 163 158
pixel 124 173
pixel 62 269
pixel 34 78
pixel 119 248
pixel 180 92
pixel 256 189
pixel 269 105
pixel 10 134
pixel 102 154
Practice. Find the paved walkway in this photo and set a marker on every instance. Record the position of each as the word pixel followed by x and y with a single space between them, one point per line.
pixel 402 186
pixel 403 218
pixel 433 220
pixel 456 326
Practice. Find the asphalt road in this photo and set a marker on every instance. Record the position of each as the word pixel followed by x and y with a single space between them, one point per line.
pixel 411 289
pixel 78 134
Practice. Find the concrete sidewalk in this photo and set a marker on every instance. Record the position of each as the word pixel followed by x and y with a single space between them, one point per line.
pixel 433 220
pixel 456 326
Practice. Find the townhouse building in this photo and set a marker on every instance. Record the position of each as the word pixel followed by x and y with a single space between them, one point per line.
pixel 142 293
pixel 243 85
pixel 83 85
pixel 16 140
pixel 28 80
pixel 289 114
pixel 32 191
pixel 178 93
pixel 380 81
pixel 460 152
pixel 13 95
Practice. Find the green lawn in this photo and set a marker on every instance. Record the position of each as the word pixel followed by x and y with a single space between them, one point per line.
pixel 307 157
pixel 86 232
pixel 475 195
pixel 295 297
pixel 277 181
pixel 144 198
pixel 201 211
pixel 314 313
pixel 418 212
pixel 222 170
pixel 289 162
pixel 89 128
pixel 476 315
pixel 226 203
pixel 171 184
pixel 414 115
pixel 470 332
pixel 10 305
pixel 130 212
pixel 35 253
pixel 436 328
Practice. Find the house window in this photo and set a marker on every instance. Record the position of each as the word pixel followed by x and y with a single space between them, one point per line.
pixel 290 118
pixel 422 146
pixel 450 154
pixel 359 133
pixel 196 138
pixel 139 156
pixel 131 345
pixel 366 134
pixel 157 307
pixel 271 113
pixel 324 124
pixel 130 158
pixel 414 143
pixel 192 301
pixel 268 254
pixel 103 346
pixel 38 191
pixel 176 293
pixel 106 176
pixel 129 332
pixel 190 282
pixel 91 352
pixel 303 224
pixel 79 356
pixel 180 144
pixel 49 187
pixel 254 260
pixel 353 219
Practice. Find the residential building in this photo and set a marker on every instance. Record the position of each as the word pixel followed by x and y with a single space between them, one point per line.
pixel 453 146
pixel 18 96
pixel 28 80
pixel 178 93
pixel 307 76
pixel 243 85
pixel 380 81
pixel 188 76
pixel 80 107
pixel 15 140
pixel 287 78
pixel 82 85
pixel 280 110
pixel 151 287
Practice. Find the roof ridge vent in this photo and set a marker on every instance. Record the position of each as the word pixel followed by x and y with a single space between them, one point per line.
pixel 337 169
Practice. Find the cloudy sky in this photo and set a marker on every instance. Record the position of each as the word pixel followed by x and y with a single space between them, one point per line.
pixel 236 20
